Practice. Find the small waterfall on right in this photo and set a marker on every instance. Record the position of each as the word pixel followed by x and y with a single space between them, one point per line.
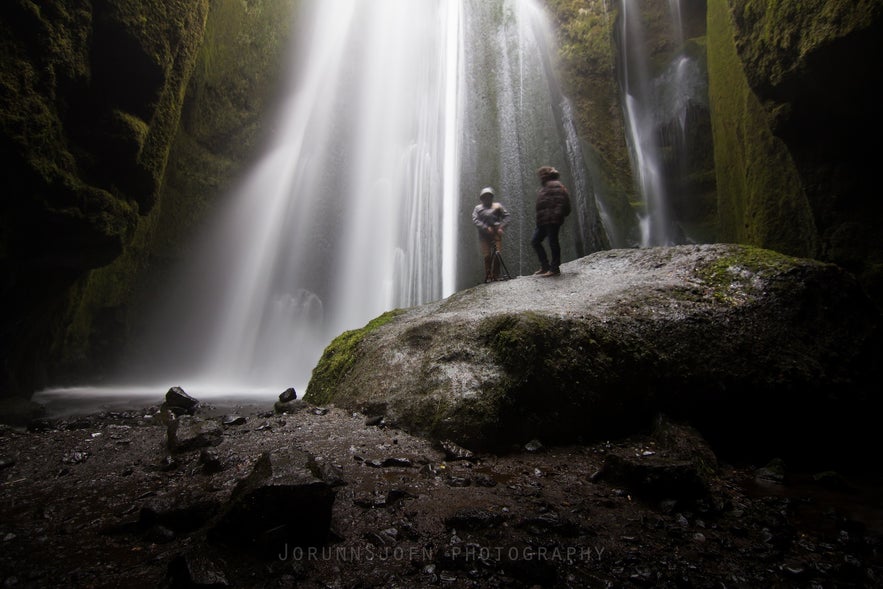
pixel 663 87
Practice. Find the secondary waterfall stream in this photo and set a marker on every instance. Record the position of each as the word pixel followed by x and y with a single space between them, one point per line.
pixel 397 113
pixel 656 99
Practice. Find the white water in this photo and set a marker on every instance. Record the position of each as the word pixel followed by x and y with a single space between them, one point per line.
pixel 650 103
pixel 398 112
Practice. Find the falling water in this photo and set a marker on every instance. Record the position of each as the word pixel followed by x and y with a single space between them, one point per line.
pixel 655 108
pixel 398 112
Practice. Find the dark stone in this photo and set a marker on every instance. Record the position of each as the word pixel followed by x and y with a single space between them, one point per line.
pixel 231 420
pixel 210 460
pixel 190 433
pixel 287 395
pixel 194 570
pixel 177 398
pixel 180 518
pixel 281 503
pixel 290 407
pixel 653 477
pixel 474 519
pixel 456 452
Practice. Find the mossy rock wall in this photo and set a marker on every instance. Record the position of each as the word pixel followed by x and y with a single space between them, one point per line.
pixel 795 86
pixel 120 124
pixel 760 194
pixel 227 101
pixel 91 98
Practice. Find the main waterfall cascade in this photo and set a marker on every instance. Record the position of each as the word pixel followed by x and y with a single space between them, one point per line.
pixel 398 112
pixel 656 106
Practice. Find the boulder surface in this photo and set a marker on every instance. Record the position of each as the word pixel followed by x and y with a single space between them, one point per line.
pixel 748 345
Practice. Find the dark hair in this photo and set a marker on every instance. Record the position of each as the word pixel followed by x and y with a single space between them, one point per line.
pixel 548 173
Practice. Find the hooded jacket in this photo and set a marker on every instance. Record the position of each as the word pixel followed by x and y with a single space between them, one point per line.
pixel 553 203
pixel 483 217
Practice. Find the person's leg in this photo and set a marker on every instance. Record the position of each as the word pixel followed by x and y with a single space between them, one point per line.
pixel 495 264
pixel 537 242
pixel 487 255
pixel 555 247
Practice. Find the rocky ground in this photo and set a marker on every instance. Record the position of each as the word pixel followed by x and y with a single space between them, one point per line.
pixel 101 501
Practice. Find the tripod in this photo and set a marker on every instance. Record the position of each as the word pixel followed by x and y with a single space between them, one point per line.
pixel 497 258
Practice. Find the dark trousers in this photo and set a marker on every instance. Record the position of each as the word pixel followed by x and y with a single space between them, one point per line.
pixel 541 233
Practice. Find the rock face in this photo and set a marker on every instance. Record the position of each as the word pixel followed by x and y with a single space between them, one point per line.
pixel 119 123
pixel 792 76
pixel 747 344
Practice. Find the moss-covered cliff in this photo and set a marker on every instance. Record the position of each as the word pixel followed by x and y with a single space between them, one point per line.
pixel 90 98
pixel 795 88
pixel 225 105
pixel 760 195
pixel 96 101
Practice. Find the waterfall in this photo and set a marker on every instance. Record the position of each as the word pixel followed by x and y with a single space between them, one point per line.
pixel 656 104
pixel 397 113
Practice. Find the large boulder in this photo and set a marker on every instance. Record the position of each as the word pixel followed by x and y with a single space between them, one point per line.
pixel 751 346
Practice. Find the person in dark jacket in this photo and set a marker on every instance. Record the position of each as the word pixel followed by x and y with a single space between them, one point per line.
pixel 490 217
pixel 553 205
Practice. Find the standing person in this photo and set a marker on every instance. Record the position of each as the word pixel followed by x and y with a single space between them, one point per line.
pixel 490 217
pixel 553 205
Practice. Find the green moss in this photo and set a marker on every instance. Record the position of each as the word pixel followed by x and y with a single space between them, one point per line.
pixel 733 278
pixel 761 200
pixel 518 341
pixel 587 67
pixel 338 358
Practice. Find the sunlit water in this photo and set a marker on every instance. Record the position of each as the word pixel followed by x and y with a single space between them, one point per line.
pixel 398 112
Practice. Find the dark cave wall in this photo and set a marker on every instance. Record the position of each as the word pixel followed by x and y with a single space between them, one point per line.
pixel 119 122
pixel 90 98
pixel 795 90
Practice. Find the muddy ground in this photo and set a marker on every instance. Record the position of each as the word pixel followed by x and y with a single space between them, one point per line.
pixel 99 501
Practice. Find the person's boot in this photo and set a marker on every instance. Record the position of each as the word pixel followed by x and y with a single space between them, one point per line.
pixel 541 272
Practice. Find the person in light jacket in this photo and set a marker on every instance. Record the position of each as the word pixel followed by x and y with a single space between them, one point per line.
pixel 553 205
pixel 490 217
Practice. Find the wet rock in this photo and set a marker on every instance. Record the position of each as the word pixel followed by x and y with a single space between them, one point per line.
pixel 331 474
pixel 281 502
pixel 533 446
pixel 773 472
pixel 629 334
pixel 178 401
pixel 290 407
pixel 395 463
pixel 195 570
pixel 379 499
pixel 454 451
pixel 233 420
pixel 75 457
pixel 654 477
pixel 211 461
pixel 831 480
pixel 190 433
pixel 547 523
pixel 475 519
pixel 171 514
pixel 374 421
pixel 288 395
